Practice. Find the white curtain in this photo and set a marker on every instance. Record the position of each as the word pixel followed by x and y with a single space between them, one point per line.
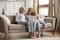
pixel 50 13
pixel 57 14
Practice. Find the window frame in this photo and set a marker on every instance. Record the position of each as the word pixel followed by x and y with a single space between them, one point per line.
pixel 44 6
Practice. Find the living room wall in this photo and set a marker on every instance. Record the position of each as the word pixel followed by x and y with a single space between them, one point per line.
pixel 11 7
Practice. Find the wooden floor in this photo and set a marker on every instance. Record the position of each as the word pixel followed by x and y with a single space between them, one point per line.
pixel 25 35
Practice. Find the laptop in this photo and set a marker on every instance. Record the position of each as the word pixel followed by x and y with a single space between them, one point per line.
pixel 32 18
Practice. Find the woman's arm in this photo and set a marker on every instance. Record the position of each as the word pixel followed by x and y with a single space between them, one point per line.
pixel 17 18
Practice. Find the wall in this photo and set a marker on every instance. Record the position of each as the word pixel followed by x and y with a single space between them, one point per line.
pixel 29 3
pixel 35 5
pixel 11 7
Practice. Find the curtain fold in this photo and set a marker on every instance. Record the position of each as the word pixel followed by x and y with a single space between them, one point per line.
pixel 35 5
pixel 57 14
pixel 50 12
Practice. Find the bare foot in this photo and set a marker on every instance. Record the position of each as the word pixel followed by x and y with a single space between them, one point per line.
pixel 38 35
pixel 33 37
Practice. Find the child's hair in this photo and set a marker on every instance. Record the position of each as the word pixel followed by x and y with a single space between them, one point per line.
pixel 34 13
pixel 21 8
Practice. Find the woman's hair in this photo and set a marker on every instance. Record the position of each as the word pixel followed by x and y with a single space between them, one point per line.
pixel 29 9
pixel 21 8
pixel 33 12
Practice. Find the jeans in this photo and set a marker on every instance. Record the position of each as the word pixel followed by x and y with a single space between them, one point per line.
pixel 37 26
pixel 23 23
pixel 41 21
pixel 31 26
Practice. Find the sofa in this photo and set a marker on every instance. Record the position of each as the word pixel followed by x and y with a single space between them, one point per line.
pixel 13 27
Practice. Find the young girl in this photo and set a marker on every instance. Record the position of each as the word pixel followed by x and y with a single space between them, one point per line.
pixel 38 22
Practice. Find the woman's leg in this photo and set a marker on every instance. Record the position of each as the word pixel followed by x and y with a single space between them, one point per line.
pixel 29 29
pixel 34 25
pixel 32 30
pixel 38 28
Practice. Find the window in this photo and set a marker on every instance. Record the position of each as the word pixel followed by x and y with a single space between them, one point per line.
pixel 44 7
pixel 43 11
pixel 43 2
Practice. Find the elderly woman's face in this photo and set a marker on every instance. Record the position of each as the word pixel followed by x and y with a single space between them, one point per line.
pixel 21 10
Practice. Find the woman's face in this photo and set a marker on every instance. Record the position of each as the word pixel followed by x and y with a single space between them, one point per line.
pixel 30 11
pixel 21 10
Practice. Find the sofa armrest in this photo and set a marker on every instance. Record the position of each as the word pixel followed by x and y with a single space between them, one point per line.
pixel 50 21
pixel 3 26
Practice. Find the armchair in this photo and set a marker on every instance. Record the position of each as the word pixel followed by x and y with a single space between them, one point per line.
pixel 49 25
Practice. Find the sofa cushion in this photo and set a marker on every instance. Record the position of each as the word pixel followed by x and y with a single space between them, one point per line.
pixel 6 19
pixel 17 27
pixel 12 19
pixel 16 31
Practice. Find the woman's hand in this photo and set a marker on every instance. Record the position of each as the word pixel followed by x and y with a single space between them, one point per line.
pixel 38 17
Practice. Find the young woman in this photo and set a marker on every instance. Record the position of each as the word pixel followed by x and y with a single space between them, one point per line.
pixel 31 24
pixel 37 23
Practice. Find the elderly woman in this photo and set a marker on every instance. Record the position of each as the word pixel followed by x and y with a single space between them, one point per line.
pixel 20 17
